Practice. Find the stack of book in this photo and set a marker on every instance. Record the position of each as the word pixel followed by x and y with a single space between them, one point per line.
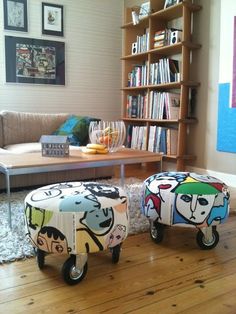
pixel 159 38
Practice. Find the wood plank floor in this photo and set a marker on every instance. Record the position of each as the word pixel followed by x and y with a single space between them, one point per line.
pixel 175 276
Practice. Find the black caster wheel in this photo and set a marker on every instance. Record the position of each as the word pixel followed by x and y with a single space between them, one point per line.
pixel 115 251
pixel 71 274
pixel 40 257
pixel 157 232
pixel 202 241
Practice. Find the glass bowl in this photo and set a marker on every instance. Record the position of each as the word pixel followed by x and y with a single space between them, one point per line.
pixel 109 133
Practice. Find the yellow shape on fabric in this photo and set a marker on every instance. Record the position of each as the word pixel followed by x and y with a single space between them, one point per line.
pixel 190 180
pixel 86 243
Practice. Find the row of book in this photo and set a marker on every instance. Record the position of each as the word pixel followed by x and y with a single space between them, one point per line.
pixel 136 137
pixel 142 43
pixel 160 140
pixel 138 75
pixel 163 140
pixel 156 105
pixel 164 71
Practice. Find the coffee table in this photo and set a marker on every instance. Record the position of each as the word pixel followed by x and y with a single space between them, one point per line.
pixel 11 165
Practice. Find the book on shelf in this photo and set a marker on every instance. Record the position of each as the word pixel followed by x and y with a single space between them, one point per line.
pixel 129 135
pixel 174 70
pixel 163 105
pixel 138 76
pixel 171 141
pixel 138 137
pixel 142 42
pixel 172 105
pixel 165 70
pixel 163 140
pixel 136 106
pixel 151 138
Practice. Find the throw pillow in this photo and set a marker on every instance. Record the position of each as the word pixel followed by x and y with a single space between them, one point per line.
pixel 76 128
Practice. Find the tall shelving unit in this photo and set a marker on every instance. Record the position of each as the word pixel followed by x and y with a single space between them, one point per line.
pixel 157 20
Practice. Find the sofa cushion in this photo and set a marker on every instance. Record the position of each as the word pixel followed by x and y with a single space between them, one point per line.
pixel 76 128
pixel 27 127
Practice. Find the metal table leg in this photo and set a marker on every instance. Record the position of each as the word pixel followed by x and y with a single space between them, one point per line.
pixel 8 190
pixel 122 174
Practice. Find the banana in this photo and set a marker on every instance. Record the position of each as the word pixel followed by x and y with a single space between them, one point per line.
pixel 102 151
pixel 96 146
pixel 87 150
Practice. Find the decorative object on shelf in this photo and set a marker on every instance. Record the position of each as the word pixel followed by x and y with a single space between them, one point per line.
pixel 54 145
pixel 109 133
pixel 52 19
pixel 169 3
pixel 139 12
pixel 15 15
pixel 30 60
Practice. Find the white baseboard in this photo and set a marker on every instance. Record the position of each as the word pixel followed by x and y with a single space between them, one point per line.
pixel 228 179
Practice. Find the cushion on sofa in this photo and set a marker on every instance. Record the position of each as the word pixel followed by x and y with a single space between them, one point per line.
pixel 23 148
pixel 76 128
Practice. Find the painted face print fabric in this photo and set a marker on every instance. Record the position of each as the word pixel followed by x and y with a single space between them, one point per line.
pixel 175 198
pixel 77 217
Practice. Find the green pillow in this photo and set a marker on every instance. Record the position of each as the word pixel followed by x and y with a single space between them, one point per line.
pixel 76 128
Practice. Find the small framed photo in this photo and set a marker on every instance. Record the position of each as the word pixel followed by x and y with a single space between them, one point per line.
pixel 52 19
pixel 15 15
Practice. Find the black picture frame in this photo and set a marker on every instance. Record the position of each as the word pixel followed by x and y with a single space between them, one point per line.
pixel 37 61
pixel 52 19
pixel 15 15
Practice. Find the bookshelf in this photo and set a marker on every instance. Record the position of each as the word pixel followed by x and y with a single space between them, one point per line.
pixel 156 63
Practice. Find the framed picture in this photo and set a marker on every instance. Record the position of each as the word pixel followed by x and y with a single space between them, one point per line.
pixel 37 61
pixel 15 15
pixel 52 19
pixel 169 3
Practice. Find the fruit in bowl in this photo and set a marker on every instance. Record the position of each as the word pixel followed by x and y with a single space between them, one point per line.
pixel 108 133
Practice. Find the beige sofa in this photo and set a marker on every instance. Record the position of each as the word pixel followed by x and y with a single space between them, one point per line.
pixel 20 132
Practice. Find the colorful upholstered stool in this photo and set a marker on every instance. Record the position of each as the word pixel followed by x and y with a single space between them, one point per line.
pixel 185 199
pixel 76 218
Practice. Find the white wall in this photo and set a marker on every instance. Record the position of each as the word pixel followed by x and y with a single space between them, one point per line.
pixel 206 71
pixel 92 37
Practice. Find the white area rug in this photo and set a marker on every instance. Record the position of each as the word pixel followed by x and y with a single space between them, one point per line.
pixel 13 243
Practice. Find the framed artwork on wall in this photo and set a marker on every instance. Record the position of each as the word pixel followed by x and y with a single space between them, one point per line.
pixel 36 61
pixel 52 19
pixel 15 15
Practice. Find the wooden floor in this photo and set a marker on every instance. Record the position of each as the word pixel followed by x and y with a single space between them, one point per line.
pixel 175 276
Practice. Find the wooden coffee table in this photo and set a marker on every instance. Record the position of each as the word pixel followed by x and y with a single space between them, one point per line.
pixel 11 165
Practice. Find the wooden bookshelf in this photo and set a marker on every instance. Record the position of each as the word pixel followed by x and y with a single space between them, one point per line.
pixel 155 62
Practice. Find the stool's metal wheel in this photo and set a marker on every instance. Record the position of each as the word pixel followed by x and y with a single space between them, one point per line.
pixel 40 257
pixel 115 251
pixel 205 241
pixel 72 274
pixel 156 231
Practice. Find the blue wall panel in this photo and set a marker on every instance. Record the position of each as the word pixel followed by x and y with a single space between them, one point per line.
pixel 226 135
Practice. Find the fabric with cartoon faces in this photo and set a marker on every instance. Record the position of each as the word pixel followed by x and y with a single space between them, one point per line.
pixel 185 198
pixel 77 217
